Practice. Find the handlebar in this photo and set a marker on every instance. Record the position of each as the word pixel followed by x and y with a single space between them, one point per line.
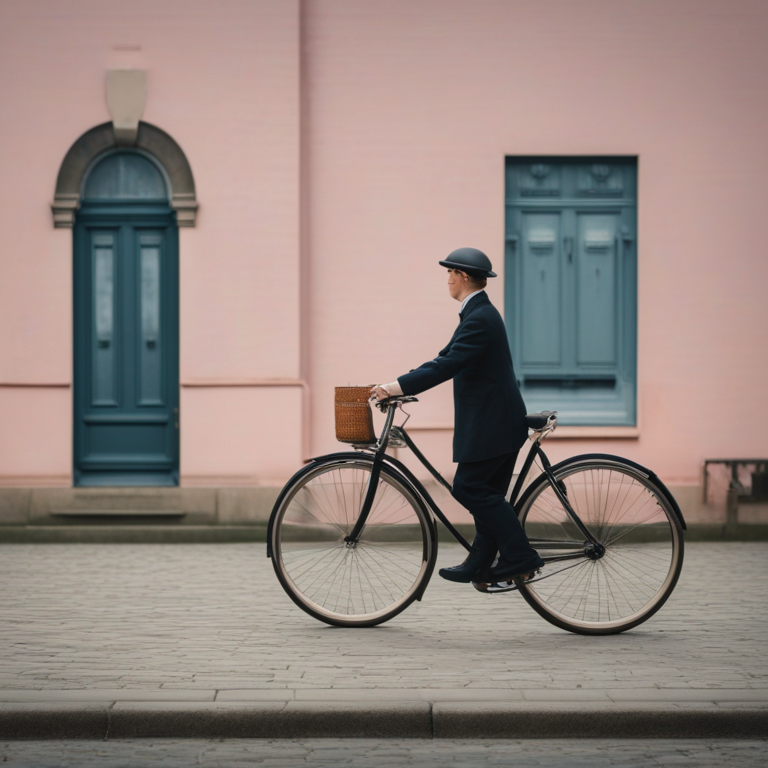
pixel 395 402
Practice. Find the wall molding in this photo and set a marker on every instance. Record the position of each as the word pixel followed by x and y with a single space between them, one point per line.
pixel 34 384
pixel 234 381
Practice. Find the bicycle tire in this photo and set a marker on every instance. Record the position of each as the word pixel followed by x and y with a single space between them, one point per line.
pixel 352 586
pixel 632 516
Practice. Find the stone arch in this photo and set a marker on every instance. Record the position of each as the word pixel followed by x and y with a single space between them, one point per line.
pixel 101 139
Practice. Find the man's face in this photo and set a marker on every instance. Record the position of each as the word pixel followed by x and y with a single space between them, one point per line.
pixel 457 282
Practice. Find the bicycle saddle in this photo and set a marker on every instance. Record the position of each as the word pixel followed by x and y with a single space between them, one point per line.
pixel 539 420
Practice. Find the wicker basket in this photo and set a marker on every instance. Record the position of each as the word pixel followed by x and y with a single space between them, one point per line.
pixel 354 418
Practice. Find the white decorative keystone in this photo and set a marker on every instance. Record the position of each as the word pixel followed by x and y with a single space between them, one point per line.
pixel 126 97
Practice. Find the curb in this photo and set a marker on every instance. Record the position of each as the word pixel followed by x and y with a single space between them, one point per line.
pixel 403 720
pixel 501 721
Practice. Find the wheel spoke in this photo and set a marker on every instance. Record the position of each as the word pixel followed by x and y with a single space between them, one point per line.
pixel 363 581
pixel 634 574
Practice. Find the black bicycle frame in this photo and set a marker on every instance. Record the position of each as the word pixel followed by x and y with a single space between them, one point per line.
pixel 400 434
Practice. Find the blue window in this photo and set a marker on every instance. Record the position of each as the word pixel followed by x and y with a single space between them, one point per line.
pixel 571 285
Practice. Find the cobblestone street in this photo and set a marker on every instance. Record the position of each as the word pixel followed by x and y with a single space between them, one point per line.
pixel 121 641
pixel 373 753
pixel 205 622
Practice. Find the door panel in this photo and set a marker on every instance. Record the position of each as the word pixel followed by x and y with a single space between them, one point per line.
pixel 126 347
pixel 596 293
pixel 150 342
pixel 103 353
pixel 139 444
pixel 541 292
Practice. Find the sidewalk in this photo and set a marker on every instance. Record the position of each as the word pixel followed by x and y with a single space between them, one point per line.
pixel 200 641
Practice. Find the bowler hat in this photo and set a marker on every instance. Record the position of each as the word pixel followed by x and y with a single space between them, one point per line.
pixel 471 261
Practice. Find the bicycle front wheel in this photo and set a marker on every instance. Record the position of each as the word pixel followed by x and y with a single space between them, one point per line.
pixel 616 586
pixel 352 585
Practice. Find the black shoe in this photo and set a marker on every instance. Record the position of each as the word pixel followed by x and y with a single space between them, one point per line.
pixel 464 573
pixel 506 570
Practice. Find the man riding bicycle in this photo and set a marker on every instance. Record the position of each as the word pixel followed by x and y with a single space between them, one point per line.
pixel 489 422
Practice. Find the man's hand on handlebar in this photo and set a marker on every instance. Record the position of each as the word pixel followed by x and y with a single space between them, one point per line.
pixel 383 391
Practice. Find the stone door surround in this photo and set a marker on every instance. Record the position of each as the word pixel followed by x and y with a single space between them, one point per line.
pixel 100 139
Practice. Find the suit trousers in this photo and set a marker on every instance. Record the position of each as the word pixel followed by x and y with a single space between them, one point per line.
pixel 481 487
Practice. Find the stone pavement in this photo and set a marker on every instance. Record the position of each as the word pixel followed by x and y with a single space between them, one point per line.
pixel 200 640
pixel 384 753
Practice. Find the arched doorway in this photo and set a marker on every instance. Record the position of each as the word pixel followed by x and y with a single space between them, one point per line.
pixel 126 324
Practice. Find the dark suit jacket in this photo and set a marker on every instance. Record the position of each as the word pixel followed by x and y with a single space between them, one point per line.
pixel 489 412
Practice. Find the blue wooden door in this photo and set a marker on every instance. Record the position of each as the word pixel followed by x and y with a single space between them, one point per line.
pixel 571 285
pixel 126 327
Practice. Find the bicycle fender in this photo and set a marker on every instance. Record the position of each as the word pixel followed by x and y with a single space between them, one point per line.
pixel 278 501
pixel 404 474
pixel 652 476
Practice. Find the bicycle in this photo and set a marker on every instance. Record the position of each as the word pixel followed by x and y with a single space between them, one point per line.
pixel 353 535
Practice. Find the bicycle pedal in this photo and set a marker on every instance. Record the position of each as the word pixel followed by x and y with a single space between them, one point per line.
pixel 495 588
pixel 506 585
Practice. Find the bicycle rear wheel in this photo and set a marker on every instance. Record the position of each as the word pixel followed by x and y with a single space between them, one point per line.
pixel 596 591
pixel 343 584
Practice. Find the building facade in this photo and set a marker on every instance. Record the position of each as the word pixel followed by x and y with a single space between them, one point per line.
pixel 214 213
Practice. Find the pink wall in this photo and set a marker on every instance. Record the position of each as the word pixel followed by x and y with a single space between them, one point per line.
pixel 413 107
pixel 396 117
pixel 223 80
pixel 34 454
pixel 235 437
